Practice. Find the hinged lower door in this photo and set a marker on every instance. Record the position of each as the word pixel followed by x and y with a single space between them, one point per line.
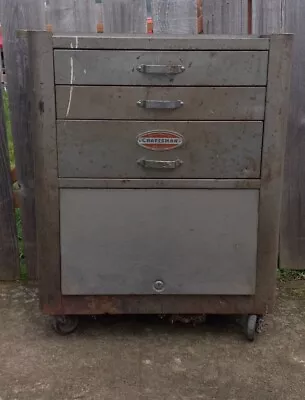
pixel 158 241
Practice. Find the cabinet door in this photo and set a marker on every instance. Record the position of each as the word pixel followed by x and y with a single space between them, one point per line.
pixel 158 241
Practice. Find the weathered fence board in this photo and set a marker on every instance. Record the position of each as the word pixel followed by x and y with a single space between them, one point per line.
pixel 124 16
pixel 223 16
pixel 292 244
pixel 25 14
pixel 9 265
pixel 289 16
pixel 268 16
pixel 175 16
pixel 72 15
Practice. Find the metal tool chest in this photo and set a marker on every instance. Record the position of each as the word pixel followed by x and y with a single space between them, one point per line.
pixel 158 172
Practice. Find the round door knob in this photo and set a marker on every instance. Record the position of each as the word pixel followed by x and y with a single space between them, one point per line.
pixel 159 286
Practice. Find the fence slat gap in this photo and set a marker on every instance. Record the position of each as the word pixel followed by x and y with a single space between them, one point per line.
pixel 9 258
pixel 25 14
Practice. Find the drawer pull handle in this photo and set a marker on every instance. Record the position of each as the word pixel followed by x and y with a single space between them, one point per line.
pixel 161 69
pixel 158 164
pixel 160 104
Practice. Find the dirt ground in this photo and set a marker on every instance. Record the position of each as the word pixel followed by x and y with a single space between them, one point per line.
pixel 145 358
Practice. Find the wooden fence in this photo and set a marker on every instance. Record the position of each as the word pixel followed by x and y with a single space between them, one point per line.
pixel 130 16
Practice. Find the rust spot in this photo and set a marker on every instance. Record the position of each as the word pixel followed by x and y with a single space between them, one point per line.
pixel 158 304
pixel 91 305
pixel 252 164
pixel 55 309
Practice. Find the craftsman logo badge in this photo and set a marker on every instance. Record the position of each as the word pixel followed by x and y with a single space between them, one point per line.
pixel 160 140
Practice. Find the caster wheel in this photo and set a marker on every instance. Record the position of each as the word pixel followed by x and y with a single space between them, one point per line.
pixel 251 327
pixel 260 324
pixel 65 324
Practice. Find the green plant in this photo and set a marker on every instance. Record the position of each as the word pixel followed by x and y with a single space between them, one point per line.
pixel 284 275
pixel 8 128
pixel 23 270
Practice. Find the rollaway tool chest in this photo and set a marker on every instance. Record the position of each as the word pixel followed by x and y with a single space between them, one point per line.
pixel 158 173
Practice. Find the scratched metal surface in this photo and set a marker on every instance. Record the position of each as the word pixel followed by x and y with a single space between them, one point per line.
pixel 120 102
pixel 109 149
pixel 219 68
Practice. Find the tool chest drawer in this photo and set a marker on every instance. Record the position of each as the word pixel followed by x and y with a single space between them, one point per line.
pixel 164 149
pixel 156 103
pixel 161 68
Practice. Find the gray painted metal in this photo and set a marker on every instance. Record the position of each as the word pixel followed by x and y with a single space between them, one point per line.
pixel 161 42
pixel 219 68
pixel 175 16
pixel 123 241
pixel 160 183
pixel 206 103
pixel 109 149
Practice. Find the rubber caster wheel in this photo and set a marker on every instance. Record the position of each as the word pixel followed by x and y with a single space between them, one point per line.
pixel 260 324
pixel 251 327
pixel 65 324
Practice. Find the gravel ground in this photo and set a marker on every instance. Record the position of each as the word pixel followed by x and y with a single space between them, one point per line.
pixel 145 358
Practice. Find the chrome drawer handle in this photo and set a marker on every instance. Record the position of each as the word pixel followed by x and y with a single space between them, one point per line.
pixel 161 69
pixel 160 104
pixel 158 164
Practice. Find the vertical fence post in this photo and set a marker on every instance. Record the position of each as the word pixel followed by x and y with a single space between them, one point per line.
pixel 292 241
pixel 175 16
pixel 9 259
pixel 22 14
pixel 72 15
pixel 124 16
pixel 222 16
pixel 288 16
